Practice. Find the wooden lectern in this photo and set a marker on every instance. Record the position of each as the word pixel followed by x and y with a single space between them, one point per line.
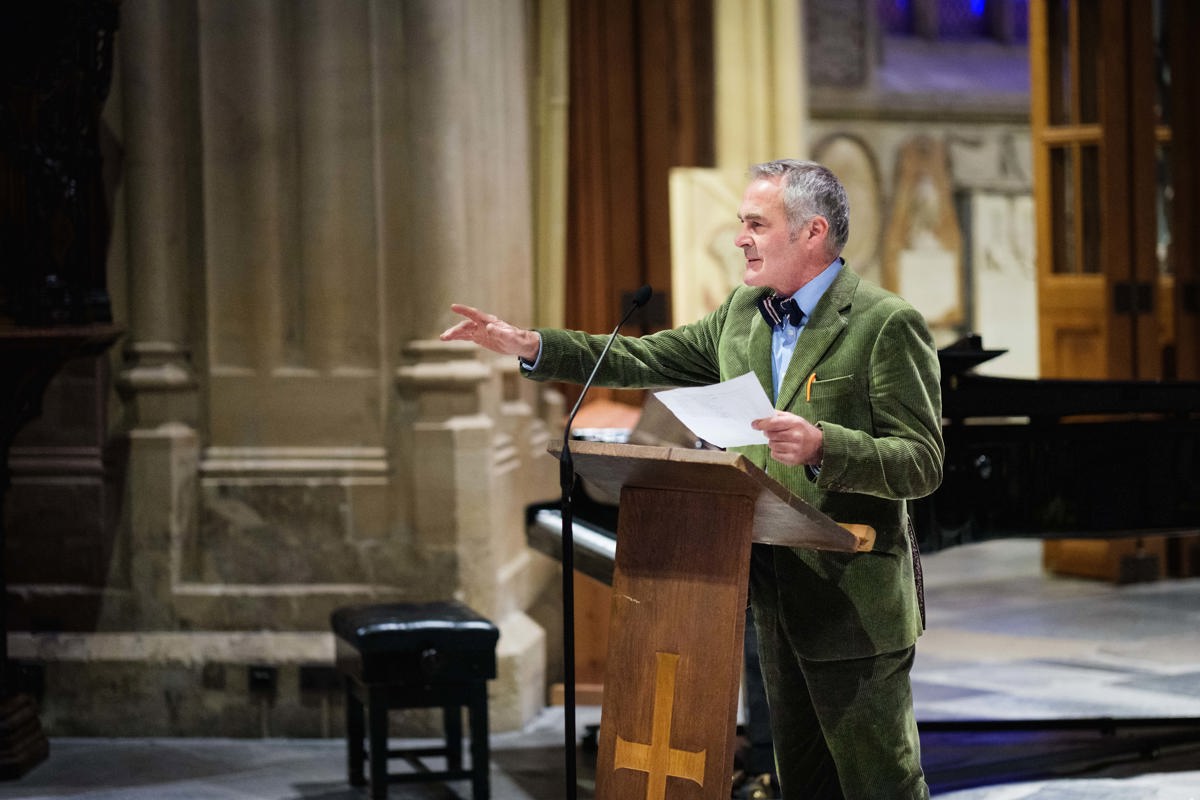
pixel 687 518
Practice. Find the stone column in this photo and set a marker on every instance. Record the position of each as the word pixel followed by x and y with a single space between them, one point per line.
pixel 157 380
pixel 158 210
pixel 437 223
pixel 469 176
pixel 336 204
pixel 470 425
pixel 553 100
pixel 761 98
pixel 249 160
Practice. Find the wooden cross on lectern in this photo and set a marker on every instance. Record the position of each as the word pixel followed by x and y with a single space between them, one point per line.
pixel 657 759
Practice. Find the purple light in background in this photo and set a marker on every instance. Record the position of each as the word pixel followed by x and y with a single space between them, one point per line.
pixel 895 16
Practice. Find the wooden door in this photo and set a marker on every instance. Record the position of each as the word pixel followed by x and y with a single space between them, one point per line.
pixel 1181 26
pixel 1115 189
pixel 1115 186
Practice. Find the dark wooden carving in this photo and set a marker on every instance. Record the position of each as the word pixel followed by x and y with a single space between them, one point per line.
pixel 56 61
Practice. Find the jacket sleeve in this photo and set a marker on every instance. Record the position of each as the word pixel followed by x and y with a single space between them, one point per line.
pixel 684 356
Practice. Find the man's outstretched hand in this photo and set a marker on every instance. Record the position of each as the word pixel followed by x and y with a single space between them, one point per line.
pixel 493 333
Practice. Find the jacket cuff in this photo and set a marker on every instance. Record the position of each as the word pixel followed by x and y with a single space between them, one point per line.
pixel 830 474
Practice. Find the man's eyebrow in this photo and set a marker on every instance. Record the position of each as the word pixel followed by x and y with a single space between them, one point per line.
pixel 749 215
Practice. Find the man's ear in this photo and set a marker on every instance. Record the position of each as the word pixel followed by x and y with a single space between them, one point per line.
pixel 818 229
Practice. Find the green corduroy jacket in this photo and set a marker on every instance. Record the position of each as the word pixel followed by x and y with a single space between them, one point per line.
pixel 877 399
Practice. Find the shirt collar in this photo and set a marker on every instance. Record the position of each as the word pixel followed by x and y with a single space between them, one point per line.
pixel 808 295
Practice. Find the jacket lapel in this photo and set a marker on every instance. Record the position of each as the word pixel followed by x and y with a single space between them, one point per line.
pixel 824 326
pixel 759 353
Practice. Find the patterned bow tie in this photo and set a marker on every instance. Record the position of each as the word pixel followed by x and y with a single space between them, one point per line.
pixel 775 309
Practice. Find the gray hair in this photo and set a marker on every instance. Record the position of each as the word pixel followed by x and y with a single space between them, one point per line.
pixel 810 190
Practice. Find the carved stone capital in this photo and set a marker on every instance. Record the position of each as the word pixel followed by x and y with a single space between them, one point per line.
pixel 446 379
pixel 158 385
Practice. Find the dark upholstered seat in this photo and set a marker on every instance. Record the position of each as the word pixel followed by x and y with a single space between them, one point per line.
pixel 415 655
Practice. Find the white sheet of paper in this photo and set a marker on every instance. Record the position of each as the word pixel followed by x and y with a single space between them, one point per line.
pixel 721 414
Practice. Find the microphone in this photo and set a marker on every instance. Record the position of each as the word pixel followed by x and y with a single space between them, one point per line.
pixel 566 477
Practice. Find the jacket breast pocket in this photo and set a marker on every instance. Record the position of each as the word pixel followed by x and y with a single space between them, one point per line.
pixel 830 388
pixel 841 400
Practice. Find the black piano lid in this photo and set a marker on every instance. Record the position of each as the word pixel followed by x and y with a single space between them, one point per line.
pixel 968 395
pixel 965 354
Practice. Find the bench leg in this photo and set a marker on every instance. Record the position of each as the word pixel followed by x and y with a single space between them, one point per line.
pixel 481 786
pixel 452 726
pixel 377 728
pixel 355 731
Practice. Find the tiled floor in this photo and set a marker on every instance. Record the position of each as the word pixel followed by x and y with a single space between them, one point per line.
pixel 1009 642
pixel 1005 642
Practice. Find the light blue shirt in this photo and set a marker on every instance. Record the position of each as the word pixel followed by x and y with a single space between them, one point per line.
pixel 785 335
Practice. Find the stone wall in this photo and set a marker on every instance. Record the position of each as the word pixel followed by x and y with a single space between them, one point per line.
pixel 942 212
pixel 300 190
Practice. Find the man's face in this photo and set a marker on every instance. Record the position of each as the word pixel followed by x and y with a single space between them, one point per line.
pixel 773 257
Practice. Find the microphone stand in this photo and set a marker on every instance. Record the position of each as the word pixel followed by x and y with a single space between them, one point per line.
pixel 566 478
